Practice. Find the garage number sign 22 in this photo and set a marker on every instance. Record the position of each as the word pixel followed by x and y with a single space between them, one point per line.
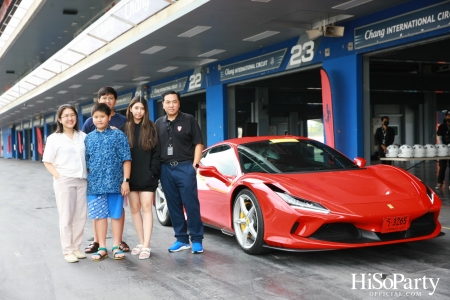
pixel 195 81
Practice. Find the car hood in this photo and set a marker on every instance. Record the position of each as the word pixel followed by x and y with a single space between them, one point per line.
pixel 373 184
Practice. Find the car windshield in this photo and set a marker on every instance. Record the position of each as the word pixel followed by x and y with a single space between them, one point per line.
pixel 290 156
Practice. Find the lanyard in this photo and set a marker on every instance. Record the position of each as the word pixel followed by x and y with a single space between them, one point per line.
pixel 169 131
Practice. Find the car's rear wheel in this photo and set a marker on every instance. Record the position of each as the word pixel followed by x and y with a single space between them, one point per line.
pixel 248 223
pixel 162 212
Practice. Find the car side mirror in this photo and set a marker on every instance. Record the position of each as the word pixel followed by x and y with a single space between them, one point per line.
pixel 360 162
pixel 210 171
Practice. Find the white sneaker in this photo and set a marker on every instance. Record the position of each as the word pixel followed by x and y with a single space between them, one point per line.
pixel 439 186
pixel 71 258
pixel 79 254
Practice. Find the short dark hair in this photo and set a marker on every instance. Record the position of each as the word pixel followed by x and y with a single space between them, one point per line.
pixel 106 90
pixel 59 126
pixel 171 93
pixel 384 117
pixel 101 107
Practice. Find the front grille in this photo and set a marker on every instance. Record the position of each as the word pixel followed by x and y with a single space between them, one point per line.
pixel 421 226
pixel 349 233
pixel 337 232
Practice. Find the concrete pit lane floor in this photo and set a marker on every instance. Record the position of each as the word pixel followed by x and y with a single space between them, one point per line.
pixel 32 264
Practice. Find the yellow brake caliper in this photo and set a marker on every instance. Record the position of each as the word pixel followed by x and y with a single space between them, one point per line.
pixel 241 215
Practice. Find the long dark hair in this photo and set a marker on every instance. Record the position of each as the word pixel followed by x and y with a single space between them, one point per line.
pixel 59 125
pixel 149 136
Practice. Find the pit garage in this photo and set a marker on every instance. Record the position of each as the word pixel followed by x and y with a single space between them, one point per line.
pixel 283 104
pixel 409 84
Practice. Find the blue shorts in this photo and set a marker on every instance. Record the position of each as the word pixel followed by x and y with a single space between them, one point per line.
pixel 105 206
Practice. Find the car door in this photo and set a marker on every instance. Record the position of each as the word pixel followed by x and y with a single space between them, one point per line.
pixel 215 206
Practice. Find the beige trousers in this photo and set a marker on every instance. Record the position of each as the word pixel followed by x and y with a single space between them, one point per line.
pixel 71 201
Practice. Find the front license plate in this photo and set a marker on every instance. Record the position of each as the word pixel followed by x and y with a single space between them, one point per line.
pixel 395 224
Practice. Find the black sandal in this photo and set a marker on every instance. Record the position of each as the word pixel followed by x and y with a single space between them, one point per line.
pixel 92 248
pixel 124 247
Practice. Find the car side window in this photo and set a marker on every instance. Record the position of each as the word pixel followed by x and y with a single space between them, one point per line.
pixel 222 157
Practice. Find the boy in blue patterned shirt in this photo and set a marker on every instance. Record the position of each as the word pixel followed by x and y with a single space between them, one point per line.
pixel 108 160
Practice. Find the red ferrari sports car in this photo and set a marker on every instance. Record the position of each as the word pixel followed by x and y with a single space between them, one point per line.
pixel 297 194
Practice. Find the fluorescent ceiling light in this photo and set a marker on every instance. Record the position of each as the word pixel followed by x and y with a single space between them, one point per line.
pixel 30 105
pixel 167 69
pixel 56 67
pixel 265 1
pixel 261 36
pixel 141 82
pixel 153 49
pixel 211 53
pixel 87 45
pixel 350 4
pixel 117 67
pixel 75 86
pixel 40 101
pixel 141 78
pixel 135 14
pixel 48 98
pixel 194 31
pixel 109 29
pixel 70 57
pixel 82 98
pixel 95 77
pixel 116 87
pixel 62 92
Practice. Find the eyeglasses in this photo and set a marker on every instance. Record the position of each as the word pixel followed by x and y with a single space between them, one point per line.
pixel 69 116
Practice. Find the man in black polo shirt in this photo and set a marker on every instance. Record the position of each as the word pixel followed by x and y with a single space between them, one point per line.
pixel 181 150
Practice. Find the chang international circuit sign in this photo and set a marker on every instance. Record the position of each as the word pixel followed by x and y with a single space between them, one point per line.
pixel 177 85
pixel 254 65
pixel 416 22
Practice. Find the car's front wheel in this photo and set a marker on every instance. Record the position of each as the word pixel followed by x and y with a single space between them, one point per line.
pixel 248 223
pixel 162 212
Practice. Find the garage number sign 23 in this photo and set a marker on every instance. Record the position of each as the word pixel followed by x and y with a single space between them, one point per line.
pixel 302 53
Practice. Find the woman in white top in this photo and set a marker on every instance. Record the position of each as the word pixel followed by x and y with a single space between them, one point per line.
pixel 64 158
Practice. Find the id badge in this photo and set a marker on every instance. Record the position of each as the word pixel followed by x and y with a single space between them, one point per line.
pixel 170 150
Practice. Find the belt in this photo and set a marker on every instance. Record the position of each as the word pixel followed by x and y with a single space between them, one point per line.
pixel 180 162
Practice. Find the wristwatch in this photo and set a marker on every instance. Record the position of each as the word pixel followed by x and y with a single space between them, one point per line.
pixel 196 165
pixel 126 180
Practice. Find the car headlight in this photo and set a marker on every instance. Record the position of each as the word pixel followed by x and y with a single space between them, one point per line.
pixel 302 203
